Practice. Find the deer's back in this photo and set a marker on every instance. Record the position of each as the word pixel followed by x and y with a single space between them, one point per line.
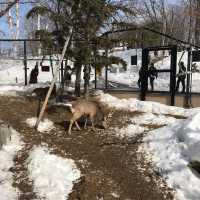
pixel 85 107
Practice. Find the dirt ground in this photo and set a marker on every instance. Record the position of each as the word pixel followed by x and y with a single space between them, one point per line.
pixel 111 168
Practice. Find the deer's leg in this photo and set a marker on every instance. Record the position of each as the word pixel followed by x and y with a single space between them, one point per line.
pixel 92 121
pixel 85 122
pixel 78 127
pixel 70 126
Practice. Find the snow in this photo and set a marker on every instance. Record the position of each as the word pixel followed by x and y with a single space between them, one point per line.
pixel 53 176
pixel 189 134
pixel 133 104
pixel 7 154
pixel 129 131
pixel 130 77
pixel 152 119
pixel 17 89
pixel 12 71
pixel 172 148
pixel 44 126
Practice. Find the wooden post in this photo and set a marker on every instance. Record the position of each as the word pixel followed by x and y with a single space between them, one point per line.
pixel 54 79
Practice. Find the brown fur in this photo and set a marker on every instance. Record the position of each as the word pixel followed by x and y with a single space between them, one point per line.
pixel 86 108
pixel 42 92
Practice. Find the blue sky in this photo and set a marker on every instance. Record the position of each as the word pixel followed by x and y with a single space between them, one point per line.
pixel 23 10
pixel 4 26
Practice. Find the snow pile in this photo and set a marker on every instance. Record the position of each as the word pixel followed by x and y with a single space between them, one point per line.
pixel 44 126
pixel 53 176
pixel 145 106
pixel 129 131
pixel 171 149
pixel 138 122
pixel 11 90
pixel 152 119
pixel 7 154
pixel 14 90
pixel 189 135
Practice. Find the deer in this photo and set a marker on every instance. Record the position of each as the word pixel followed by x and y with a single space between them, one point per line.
pixel 87 108
pixel 41 93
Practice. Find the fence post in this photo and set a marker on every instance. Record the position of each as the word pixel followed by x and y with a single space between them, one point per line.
pixel 106 70
pixel 144 74
pixel 25 64
pixel 95 77
pixel 173 74
pixel 188 84
pixel 62 75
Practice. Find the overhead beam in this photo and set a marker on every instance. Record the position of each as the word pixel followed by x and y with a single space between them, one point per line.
pixel 153 31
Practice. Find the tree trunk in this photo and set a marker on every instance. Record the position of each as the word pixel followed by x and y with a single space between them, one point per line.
pixel 197 23
pixel 87 70
pixel 39 28
pixel 17 28
pixel 78 67
pixel 190 22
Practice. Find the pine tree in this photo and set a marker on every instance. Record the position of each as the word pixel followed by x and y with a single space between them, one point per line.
pixel 89 19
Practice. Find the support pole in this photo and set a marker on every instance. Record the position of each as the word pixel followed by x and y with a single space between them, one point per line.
pixel 173 74
pixel 95 67
pixel 25 64
pixel 51 64
pixel 95 78
pixel 54 79
pixel 144 74
pixel 106 71
pixel 62 75
pixel 188 93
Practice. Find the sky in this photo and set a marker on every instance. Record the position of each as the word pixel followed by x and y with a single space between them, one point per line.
pixel 173 1
pixel 23 10
pixel 3 21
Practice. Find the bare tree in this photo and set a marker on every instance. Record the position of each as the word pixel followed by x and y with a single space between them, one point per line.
pixel 8 7
pixel 13 19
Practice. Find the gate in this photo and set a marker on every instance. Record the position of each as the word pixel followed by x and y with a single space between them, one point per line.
pixel 171 70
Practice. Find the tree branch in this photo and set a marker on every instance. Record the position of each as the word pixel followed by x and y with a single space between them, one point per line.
pixel 9 6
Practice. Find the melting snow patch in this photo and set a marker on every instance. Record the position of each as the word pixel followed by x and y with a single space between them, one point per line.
pixel 8 152
pixel 53 176
pixel 149 118
pixel 44 126
pixel 129 131
pixel 171 149
pixel 148 106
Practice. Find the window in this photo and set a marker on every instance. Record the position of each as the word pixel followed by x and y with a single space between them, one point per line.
pixel 134 60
